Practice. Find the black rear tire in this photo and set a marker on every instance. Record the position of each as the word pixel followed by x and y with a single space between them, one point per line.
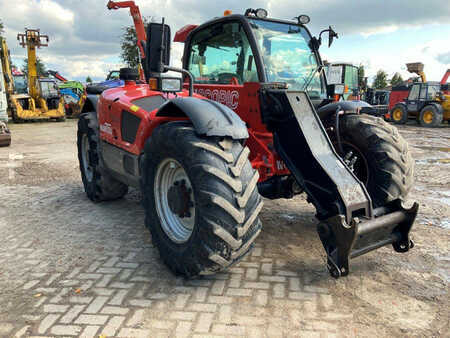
pixel 390 166
pixel 98 184
pixel 225 199
pixel 399 114
pixel 430 117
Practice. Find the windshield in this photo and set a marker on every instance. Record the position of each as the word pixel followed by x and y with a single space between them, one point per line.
pixel 287 56
pixel 113 75
pixel 20 84
pixel 48 89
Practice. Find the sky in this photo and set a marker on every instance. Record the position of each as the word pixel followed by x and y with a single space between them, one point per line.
pixel 380 34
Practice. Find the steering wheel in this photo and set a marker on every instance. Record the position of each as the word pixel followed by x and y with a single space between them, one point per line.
pixel 227 78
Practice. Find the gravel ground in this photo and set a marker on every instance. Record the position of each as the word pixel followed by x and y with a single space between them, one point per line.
pixel 69 267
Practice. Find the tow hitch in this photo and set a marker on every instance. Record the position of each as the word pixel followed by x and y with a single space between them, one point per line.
pixel 390 225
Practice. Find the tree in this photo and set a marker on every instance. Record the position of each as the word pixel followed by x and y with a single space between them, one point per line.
pixel 130 54
pixel 2 28
pixel 40 67
pixel 380 80
pixel 88 79
pixel 361 80
pixel 396 80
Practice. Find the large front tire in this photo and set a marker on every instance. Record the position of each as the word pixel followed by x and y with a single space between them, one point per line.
pixel 98 184
pixel 200 198
pixel 378 155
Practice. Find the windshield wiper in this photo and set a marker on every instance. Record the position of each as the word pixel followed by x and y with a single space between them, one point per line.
pixel 311 76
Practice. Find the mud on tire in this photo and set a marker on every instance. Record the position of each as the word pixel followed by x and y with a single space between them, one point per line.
pixel 98 184
pixel 390 164
pixel 225 198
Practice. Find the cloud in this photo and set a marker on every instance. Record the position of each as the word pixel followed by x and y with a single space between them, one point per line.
pixel 85 36
pixel 444 58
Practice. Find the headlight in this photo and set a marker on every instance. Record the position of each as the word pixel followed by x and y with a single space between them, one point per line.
pixel 170 84
pixel 261 13
pixel 339 89
pixel 303 19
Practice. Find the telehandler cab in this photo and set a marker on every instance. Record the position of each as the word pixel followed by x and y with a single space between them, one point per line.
pixel 260 123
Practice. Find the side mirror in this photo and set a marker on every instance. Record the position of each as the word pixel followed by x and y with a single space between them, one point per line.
pixel 316 42
pixel 157 48
pixel 331 35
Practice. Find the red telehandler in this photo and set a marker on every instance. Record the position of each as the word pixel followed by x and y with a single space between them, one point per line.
pixel 262 126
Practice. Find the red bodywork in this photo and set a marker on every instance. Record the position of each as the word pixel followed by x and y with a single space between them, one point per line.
pixel 445 77
pixel 396 97
pixel 243 99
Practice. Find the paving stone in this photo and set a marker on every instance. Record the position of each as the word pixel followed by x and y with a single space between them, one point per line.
pixel 183 315
pixel 114 310
pixel 136 318
pixel 66 330
pixel 55 308
pixel 239 292
pixel 183 330
pixel 71 314
pixel 204 322
pixel 141 302
pixel 90 331
pixel 203 307
pixel 112 326
pixel 135 333
pixel 256 285
pixel 92 319
pixel 118 298
pixel 220 300
pixel 96 304
pixel 47 322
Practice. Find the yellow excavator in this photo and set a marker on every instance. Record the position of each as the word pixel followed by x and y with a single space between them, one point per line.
pixel 43 100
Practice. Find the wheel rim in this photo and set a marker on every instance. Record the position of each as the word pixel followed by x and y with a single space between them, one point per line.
pixel 174 200
pixel 427 117
pixel 356 161
pixel 85 147
pixel 397 114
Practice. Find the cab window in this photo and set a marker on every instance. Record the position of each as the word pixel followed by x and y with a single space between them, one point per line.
pixel 221 54
pixel 414 93
pixel 433 91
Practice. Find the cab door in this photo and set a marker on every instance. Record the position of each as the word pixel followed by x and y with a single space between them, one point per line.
pixel 413 98
pixel 223 64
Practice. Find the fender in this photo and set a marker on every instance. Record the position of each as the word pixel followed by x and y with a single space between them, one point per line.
pixel 90 103
pixel 209 117
pixel 347 106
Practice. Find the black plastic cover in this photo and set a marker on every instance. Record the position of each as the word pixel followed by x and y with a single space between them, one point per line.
pixel 130 124
pixel 208 117
pixel 150 103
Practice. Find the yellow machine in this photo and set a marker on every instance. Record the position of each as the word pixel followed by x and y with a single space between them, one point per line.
pixel 43 101
pixel 427 101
